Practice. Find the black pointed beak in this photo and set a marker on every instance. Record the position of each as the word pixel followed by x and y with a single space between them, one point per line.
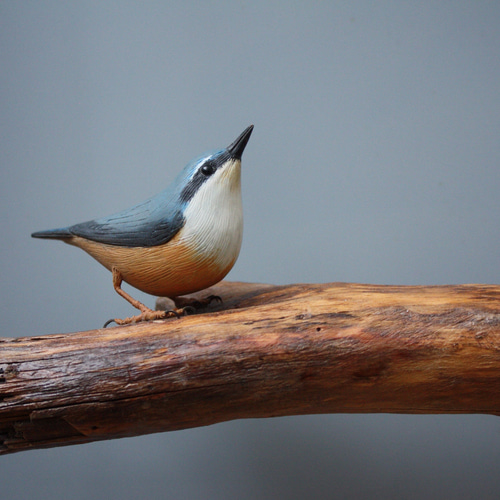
pixel 238 146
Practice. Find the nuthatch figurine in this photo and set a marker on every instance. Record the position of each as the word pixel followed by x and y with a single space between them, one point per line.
pixel 180 241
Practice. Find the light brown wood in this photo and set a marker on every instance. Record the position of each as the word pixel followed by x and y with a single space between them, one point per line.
pixel 266 351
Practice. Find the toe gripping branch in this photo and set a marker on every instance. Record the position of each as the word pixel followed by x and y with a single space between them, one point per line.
pixel 183 305
pixel 147 314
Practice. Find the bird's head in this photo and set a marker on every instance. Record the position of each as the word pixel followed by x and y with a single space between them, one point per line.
pixel 214 175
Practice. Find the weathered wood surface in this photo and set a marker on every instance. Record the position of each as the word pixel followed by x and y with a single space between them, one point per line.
pixel 267 351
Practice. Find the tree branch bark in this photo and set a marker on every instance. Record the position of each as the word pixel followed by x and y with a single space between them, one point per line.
pixel 267 351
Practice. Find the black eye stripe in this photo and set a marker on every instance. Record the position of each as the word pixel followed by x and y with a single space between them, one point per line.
pixel 199 176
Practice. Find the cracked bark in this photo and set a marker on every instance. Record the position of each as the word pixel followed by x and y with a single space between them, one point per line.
pixel 266 351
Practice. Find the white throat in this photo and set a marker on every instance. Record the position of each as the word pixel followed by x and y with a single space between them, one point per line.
pixel 214 217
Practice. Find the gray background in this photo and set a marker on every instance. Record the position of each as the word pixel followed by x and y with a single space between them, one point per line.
pixel 375 158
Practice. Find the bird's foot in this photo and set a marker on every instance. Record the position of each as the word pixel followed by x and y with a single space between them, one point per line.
pixel 183 307
pixel 188 305
pixel 146 315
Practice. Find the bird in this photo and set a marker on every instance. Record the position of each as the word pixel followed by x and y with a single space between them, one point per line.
pixel 180 241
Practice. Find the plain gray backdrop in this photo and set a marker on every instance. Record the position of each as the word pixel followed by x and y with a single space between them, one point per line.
pixel 375 158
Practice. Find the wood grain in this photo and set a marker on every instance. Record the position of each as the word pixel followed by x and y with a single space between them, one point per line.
pixel 267 351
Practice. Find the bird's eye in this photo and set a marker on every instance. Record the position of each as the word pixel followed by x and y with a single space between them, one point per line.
pixel 208 168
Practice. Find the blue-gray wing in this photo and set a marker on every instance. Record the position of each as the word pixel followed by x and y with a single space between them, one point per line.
pixel 151 223
pixel 148 224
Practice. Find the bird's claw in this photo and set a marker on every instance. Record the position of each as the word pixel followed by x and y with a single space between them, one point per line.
pixel 211 298
pixel 195 304
pixel 146 315
pixel 184 307
pixel 187 310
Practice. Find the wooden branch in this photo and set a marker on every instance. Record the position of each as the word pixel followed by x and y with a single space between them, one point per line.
pixel 268 351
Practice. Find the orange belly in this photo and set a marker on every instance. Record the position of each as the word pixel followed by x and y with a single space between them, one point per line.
pixel 166 270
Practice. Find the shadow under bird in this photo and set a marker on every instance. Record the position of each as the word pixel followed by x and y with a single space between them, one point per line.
pixel 180 241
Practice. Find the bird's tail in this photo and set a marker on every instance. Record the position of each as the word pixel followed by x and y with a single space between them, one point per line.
pixel 54 234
